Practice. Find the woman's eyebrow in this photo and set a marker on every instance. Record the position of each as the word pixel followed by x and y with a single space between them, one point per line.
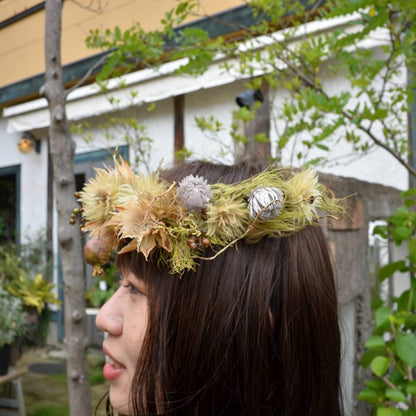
pixel 135 279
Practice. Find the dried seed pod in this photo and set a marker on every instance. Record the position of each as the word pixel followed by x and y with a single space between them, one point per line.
pixel 97 252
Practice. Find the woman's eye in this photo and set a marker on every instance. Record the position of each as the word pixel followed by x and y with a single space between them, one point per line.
pixel 130 287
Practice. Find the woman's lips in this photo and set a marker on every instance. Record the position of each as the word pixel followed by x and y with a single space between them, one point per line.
pixel 112 370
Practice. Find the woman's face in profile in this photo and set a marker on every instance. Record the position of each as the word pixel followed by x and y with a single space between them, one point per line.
pixel 124 317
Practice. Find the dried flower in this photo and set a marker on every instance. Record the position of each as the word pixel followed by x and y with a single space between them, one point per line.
pixel 270 200
pixel 227 218
pixel 99 196
pixel 194 192
pixel 145 213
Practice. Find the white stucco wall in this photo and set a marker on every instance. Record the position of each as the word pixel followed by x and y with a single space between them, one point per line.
pixel 159 125
pixel 33 181
pixel 377 166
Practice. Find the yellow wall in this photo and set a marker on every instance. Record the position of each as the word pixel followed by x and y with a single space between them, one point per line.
pixel 21 43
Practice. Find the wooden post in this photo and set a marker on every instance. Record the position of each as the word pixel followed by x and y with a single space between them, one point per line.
pixel 179 130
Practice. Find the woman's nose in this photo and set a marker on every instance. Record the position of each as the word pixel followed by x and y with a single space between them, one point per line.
pixel 110 317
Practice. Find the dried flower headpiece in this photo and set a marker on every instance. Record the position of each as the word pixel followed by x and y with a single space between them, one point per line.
pixel 146 213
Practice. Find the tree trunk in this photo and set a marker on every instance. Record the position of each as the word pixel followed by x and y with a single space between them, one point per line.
pixel 62 153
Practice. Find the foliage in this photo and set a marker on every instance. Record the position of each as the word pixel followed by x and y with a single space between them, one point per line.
pixel 10 263
pixel 29 256
pixel 35 292
pixel 368 110
pixel 391 350
pixel 13 319
pixel 21 270
pixel 103 286
pixel 122 127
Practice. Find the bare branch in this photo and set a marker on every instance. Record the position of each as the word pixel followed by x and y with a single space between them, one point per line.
pixel 98 9
pixel 100 62
pixel 309 82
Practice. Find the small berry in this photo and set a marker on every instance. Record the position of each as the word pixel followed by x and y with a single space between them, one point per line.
pixel 72 221
pixel 76 194
pixel 193 246
pixel 190 241
pixel 205 242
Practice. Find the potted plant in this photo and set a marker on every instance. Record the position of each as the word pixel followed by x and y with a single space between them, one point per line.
pixel 35 293
pixel 12 324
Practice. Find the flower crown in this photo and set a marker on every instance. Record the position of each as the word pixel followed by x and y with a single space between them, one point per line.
pixel 147 214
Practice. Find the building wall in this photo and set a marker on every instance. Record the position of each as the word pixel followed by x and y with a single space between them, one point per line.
pixel 33 181
pixel 22 42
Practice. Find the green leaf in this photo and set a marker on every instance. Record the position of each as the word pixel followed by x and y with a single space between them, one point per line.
pixel 379 365
pixel 375 384
pixel 406 348
pixel 381 230
pixel 376 303
pixel 261 138
pixel 412 247
pixel 322 147
pixel 410 322
pixel 369 355
pixel 315 161
pixel 374 342
pixel 395 395
pixel 390 268
pixel 382 315
pixel 403 232
pixel 409 202
pixel 369 395
pixel 388 411
pixel 409 193
pixel 411 387
pixel 403 301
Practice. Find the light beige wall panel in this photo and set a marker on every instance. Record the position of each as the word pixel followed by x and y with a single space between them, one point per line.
pixel 9 8
pixel 22 43
pixel 21 49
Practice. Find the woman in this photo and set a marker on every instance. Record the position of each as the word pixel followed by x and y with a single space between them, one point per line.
pixel 246 324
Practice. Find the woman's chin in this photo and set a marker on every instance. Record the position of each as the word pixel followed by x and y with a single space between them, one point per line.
pixel 119 400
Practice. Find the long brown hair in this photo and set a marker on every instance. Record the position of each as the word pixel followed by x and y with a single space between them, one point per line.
pixel 254 332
